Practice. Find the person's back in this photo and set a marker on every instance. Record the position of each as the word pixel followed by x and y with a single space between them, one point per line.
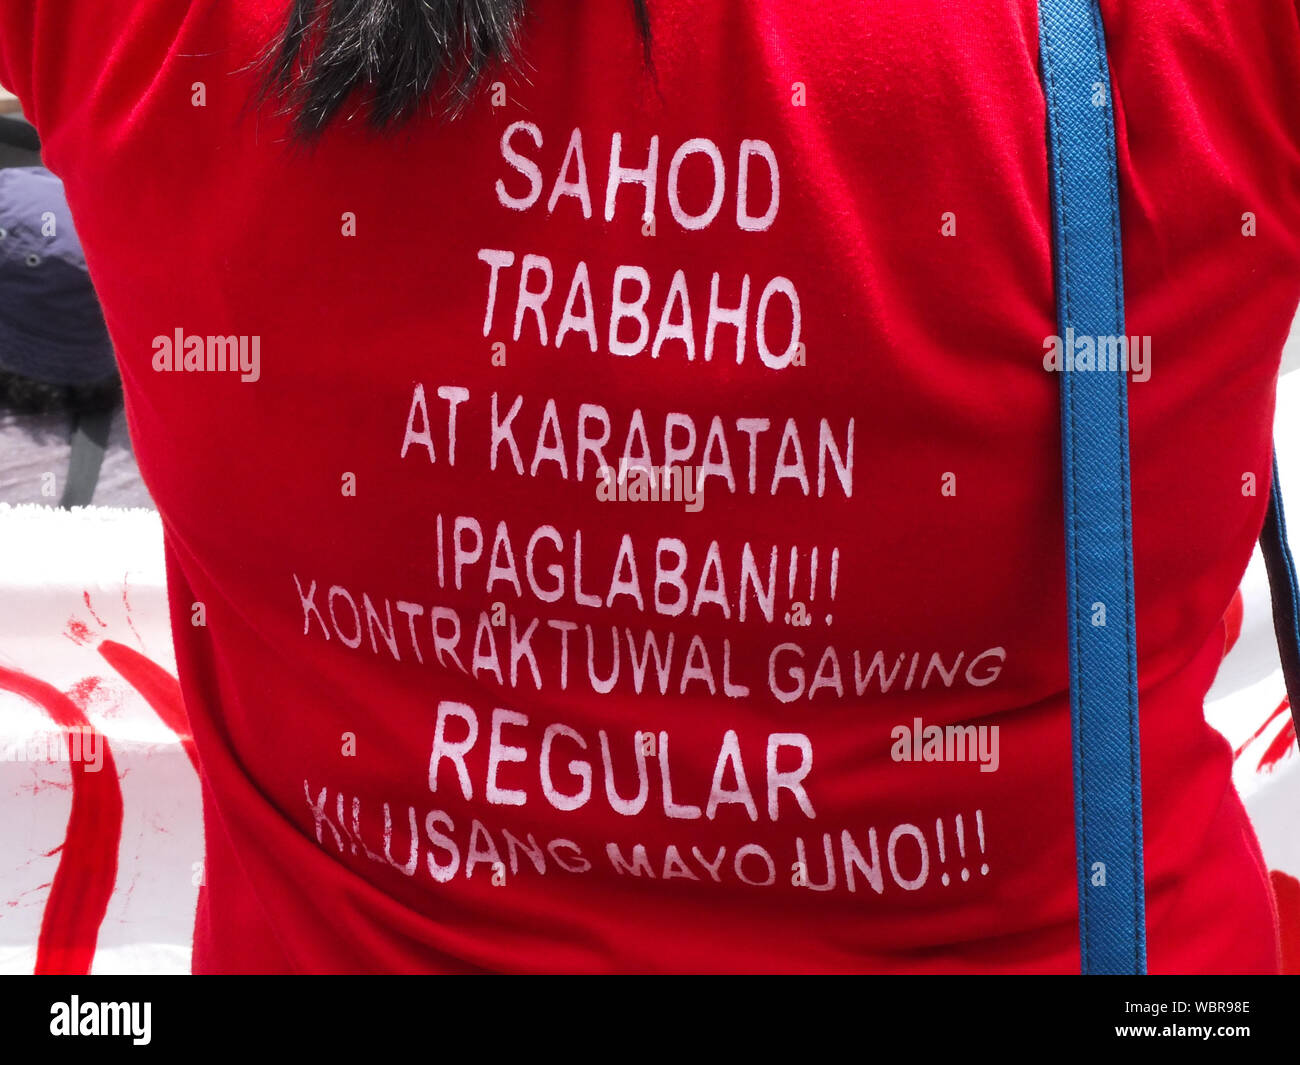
pixel 459 703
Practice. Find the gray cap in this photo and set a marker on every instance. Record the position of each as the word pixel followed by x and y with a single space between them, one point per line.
pixel 51 326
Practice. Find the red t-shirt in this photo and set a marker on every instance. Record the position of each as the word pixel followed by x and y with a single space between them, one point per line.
pixel 456 708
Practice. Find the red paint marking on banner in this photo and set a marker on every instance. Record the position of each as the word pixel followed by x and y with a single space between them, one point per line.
pixel 102 623
pixel 160 689
pixel 126 604
pixel 1232 619
pixel 77 631
pixel 1286 890
pixel 84 690
pixel 1282 708
pixel 1282 744
pixel 83 882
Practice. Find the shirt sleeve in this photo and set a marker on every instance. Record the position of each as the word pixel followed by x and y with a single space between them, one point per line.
pixel 77 64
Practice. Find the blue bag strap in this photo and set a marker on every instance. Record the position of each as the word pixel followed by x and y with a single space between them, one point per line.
pixel 1285 590
pixel 1098 524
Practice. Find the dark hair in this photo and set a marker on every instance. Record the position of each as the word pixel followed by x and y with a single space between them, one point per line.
pixel 393 54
